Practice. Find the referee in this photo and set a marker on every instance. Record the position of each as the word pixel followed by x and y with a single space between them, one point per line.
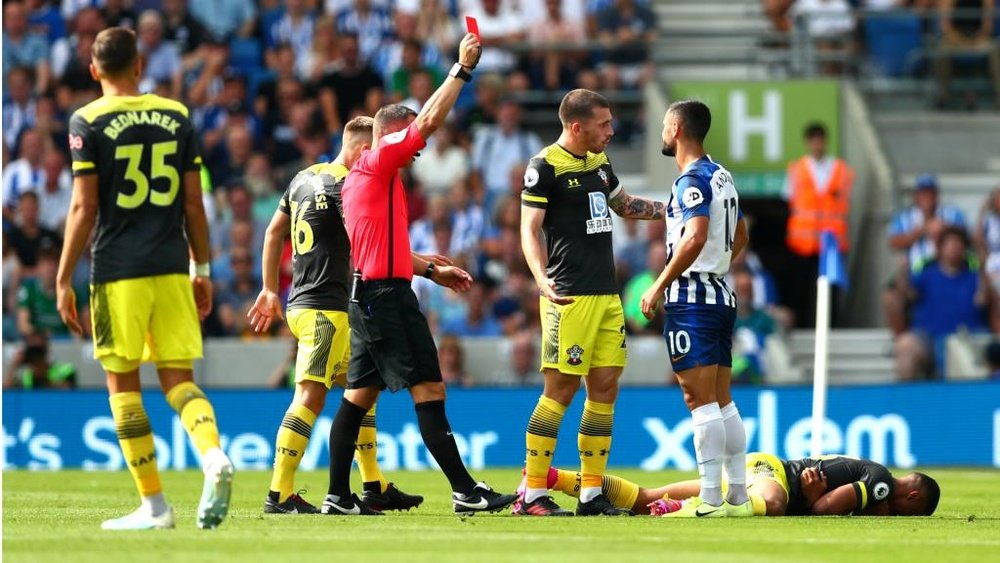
pixel 391 344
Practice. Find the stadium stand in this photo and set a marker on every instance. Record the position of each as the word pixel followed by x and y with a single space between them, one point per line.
pixel 268 94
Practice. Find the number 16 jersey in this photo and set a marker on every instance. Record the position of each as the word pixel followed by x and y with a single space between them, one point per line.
pixel 704 189
pixel 139 147
pixel 321 251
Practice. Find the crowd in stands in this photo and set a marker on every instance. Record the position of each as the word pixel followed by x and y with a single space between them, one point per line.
pixel 939 38
pixel 269 84
pixel 948 278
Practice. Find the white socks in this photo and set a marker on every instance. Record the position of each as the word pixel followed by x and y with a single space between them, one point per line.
pixel 734 459
pixel 709 447
pixel 531 495
pixel 212 460
pixel 155 505
pixel 588 494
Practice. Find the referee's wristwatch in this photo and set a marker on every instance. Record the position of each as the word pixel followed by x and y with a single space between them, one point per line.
pixel 458 71
pixel 429 272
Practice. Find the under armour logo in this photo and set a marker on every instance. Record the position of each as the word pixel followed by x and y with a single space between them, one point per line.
pixel 573 183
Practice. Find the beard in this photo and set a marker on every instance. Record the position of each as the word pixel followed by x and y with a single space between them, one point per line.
pixel 669 150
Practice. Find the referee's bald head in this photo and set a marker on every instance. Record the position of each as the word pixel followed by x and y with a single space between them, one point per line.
pixel 391 118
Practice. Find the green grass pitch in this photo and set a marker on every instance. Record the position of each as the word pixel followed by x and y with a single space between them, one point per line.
pixel 56 517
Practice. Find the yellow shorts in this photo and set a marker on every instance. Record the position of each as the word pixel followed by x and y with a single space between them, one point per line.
pixel 762 466
pixel 587 333
pixel 324 345
pixel 150 319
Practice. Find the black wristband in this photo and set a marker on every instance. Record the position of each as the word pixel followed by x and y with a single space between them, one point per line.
pixel 429 272
pixel 458 71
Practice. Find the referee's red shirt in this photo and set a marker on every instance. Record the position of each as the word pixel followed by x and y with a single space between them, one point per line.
pixel 375 209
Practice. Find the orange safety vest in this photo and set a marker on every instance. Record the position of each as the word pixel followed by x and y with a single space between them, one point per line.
pixel 812 212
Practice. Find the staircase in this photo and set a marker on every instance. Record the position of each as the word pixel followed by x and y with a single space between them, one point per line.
pixel 715 40
pixel 857 356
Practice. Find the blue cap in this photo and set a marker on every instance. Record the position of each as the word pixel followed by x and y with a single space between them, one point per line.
pixel 927 182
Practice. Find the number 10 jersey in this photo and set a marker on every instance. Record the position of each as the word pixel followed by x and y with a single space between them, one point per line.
pixel 139 147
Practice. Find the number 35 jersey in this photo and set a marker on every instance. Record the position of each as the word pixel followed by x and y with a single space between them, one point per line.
pixel 574 191
pixel 704 189
pixel 139 147
pixel 321 251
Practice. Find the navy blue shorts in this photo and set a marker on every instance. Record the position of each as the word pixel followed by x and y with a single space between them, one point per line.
pixel 699 335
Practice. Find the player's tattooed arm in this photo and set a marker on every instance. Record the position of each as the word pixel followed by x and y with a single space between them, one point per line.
pixel 633 207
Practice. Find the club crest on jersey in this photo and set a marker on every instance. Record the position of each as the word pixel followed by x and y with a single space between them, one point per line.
pixel 575 354
pixel 603 175
pixel 600 219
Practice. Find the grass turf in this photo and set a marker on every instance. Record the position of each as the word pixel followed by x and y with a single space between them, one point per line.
pixel 56 516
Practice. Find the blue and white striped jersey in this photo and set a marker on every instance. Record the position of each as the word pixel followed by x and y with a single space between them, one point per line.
pixel 989 230
pixel 704 189
pixel 911 218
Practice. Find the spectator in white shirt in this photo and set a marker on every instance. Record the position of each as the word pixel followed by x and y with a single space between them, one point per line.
pixel 162 58
pixel 294 28
pixel 55 191
pixel 558 68
pixel 825 19
pixel 499 28
pixel 498 148
pixel 26 173
pixel 19 110
pixel 442 164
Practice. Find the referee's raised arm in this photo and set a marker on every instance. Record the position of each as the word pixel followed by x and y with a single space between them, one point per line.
pixel 434 112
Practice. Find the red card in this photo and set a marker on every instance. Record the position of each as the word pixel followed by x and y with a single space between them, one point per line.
pixel 472 25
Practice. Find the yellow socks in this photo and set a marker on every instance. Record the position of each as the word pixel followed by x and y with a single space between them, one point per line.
pixel 595 444
pixel 367 455
pixel 136 439
pixel 196 414
pixel 293 437
pixel 620 492
pixel 568 482
pixel 540 441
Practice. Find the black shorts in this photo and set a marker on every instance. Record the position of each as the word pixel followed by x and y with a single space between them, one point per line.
pixel 391 344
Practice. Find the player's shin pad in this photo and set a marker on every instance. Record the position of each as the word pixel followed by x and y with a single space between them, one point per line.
pixel 197 415
pixel 290 445
pixel 136 439
pixel 540 441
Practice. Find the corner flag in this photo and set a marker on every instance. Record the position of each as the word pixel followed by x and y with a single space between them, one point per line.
pixel 831 261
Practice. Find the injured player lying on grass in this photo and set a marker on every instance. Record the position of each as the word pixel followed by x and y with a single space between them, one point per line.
pixel 829 485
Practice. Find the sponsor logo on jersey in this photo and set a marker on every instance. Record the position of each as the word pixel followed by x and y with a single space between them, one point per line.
pixel 600 218
pixel 692 197
pixel 573 183
pixel 75 142
pixel 575 354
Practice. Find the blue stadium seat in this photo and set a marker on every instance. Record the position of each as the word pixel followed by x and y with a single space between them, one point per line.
pixel 894 42
pixel 245 55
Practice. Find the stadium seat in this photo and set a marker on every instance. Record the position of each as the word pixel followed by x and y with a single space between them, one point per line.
pixel 245 55
pixel 894 42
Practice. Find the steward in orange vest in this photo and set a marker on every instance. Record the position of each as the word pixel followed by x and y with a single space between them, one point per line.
pixel 819 196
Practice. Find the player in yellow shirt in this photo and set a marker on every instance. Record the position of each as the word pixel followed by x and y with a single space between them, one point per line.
pixel 136 171
pixel 831 485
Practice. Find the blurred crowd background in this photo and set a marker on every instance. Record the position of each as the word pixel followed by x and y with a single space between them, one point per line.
pixel 270 84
